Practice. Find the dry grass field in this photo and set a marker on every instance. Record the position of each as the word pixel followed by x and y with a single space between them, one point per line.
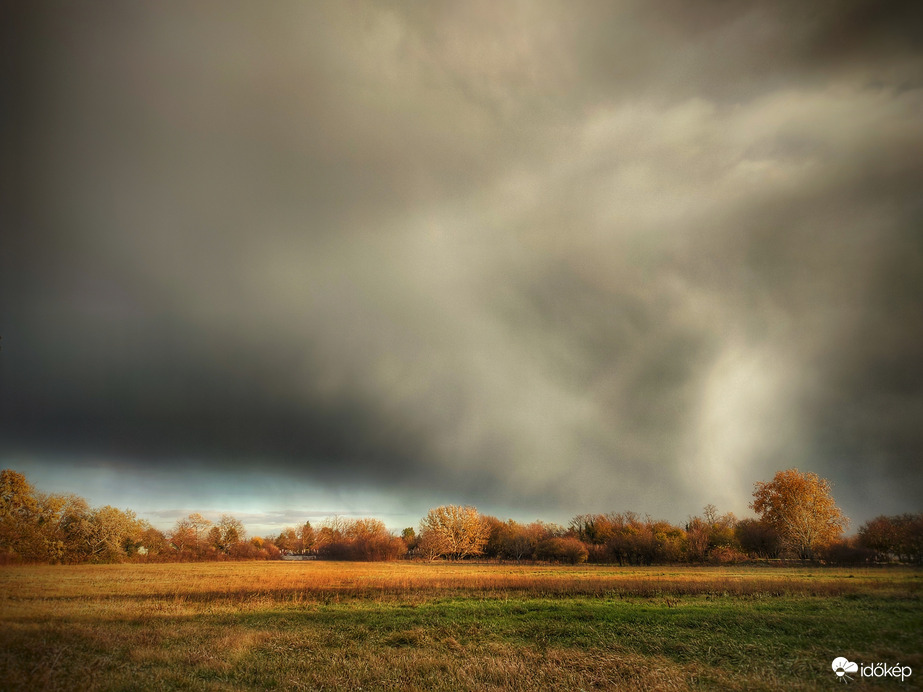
pixel 320 625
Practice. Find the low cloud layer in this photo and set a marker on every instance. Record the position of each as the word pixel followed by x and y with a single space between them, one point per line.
pixel 549 258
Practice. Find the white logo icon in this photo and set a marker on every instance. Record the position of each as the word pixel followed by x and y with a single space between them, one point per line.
pixel 842 666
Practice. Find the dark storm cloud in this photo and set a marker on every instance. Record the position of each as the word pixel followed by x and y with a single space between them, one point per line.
pixel 546 256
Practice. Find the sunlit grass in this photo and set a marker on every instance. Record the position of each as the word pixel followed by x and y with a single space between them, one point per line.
pixel 318 625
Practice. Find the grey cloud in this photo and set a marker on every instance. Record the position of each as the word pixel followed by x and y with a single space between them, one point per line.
pixel 730 52
pixel 288 517
pixel 555 257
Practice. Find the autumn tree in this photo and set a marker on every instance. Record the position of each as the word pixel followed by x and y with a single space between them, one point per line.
pixel 660 541
pixel 63 528
pixel 758 539
pixel 39 527
pixel 899 537
pixel 17 509
pixel 214 538
pixel 200 526
pixel 35 527
pixel 721 527
pixel 306 537
pixel 557 549
pixel 230 532
pixel 711 531
pixel 369 539
pixel 622 537
pixel 66 518
pixel 287 540
pixel 153 541
pixel 518 541
pixel 297 541
pixel 17 496
pixel 192 534
pixel 330 539
pixel 453 531
pixel 880 535
pixel 183 536
pixel 595 529
pixel 109 528
pixel 409 536
pixel 324 538
pixel 429 545
pixel 698 536
pixel 357 539
pixel 495 527
pixel 801 509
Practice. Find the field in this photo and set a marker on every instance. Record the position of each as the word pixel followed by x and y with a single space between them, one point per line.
pixel 317 625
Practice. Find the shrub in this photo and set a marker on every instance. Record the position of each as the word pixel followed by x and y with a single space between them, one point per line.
pixel 570 550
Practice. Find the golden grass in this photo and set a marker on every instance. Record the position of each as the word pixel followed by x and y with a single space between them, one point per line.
pixel 310 580
pixel 321 625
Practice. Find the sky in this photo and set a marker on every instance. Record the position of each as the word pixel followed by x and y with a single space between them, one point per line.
pixel 292 260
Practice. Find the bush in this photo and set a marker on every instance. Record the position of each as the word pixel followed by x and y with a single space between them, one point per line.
pixel 725 555
pixel 847 552
pixel 570 550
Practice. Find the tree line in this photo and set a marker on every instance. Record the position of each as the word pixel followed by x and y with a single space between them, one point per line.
pixel 797 519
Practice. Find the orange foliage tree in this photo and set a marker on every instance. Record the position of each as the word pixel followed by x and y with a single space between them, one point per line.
pixel 801 509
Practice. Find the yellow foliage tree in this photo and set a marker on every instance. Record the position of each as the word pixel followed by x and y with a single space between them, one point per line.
pixel 453 531
pixel 801 509
pixel 18 506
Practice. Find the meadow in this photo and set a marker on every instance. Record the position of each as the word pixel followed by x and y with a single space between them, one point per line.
pixel 451 626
